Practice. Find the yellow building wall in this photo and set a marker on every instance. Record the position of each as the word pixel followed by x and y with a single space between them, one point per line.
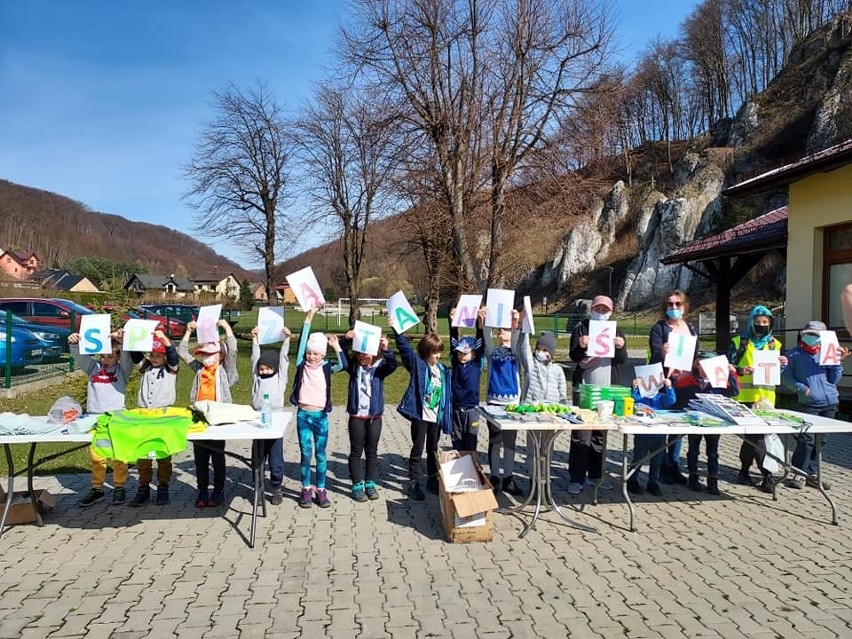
pixel 817 201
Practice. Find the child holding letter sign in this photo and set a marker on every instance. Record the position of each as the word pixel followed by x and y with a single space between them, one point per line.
pixel 816 388
pixel 108 376
pixel 215 367
pixel 467 359
pixel 365 405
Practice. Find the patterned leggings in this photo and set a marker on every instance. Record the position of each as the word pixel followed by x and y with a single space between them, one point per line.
pixel 313 431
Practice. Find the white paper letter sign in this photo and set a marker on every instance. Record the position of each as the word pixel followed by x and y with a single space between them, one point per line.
pixel 681 352
pixel 467 310
pixel 601 339
pixel 94 334
pixel 828 355
pixel 767 368
pixel 400 310
pixel 139 335
pixel 650 379
pixel 529 322
pixel 306 288
pixel 270 323
pixel 716 369
pixel 367 338
pixel 500 303
pixel 208 317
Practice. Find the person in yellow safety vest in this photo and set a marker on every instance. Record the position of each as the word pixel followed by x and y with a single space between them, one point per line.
pixel 758 337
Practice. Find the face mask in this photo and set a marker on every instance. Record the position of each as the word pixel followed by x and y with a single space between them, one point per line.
pixel 266 375
pixel 542 356
pixel 810 339
pixel 209 360
pixel 601 316
pixel 674 313
pixel 760 331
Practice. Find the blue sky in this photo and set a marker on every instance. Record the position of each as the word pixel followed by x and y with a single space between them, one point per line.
pixel 102 101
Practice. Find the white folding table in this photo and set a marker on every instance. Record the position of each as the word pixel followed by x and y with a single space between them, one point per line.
pixel 227 432
pixel 811 423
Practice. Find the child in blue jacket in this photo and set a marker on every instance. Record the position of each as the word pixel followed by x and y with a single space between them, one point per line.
pixel 816 388
pixel 644 444
pixel 428 404
pixel 467 360
pixel 365 405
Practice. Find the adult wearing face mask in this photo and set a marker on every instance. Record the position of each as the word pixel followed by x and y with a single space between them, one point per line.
pixel 585 461
pixel 758 337
pixel 674 310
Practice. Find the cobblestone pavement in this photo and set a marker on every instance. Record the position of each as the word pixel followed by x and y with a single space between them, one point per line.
pixel 738 565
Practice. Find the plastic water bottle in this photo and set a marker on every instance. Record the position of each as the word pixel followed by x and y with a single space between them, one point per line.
pixel 265 412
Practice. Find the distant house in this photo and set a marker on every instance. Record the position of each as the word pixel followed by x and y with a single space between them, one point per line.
pixel 285 294
pixel 218 285
pixel 167 286
pixel 58 279
pixel 258 292
pixel 19 265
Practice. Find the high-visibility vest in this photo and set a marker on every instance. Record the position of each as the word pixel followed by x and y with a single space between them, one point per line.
pixel 749 392
pixel 129 435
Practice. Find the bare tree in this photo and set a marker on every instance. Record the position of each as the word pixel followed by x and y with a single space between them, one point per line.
pixel 238 173
pixel 346 142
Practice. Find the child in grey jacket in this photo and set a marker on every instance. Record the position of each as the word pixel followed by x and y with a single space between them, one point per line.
pixel 544 380
pixel 108 377
pixel 269 377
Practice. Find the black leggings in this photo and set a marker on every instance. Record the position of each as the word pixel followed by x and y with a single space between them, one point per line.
pixel 422 433
pixel 364 436
pixel 203 456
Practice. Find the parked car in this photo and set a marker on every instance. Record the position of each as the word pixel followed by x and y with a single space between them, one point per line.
pixel 186 312
pixel 25 349
pixel 54 338
pixel 52 312
pixel 176 328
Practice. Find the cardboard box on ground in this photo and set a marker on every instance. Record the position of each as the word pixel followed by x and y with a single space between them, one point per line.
pixel 466 497
pixel 21 511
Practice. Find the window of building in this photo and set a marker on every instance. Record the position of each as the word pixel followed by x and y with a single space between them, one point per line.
pixel 837 271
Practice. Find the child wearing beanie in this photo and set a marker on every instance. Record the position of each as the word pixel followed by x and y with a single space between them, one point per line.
pixel 269 377
pixel 312 395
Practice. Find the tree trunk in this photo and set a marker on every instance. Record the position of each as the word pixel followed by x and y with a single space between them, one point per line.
pixel 269 254
pixel 352 271
pixel 498 208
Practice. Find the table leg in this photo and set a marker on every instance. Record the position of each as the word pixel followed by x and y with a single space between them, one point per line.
pixel 538 481
pixel 603 469
pixel 30 489
pixel 547 453
pixel 10 486
pixel 818 444
pixel 625 477
pixel 255 459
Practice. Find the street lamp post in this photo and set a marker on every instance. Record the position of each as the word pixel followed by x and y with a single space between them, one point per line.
pixel 544 302
pixel 609 277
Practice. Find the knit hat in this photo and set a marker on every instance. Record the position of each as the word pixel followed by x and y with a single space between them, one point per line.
pixel 466 345
pixel 270 359
pixel 158 347
pixel 602 300
pixel 208 348
pixel 318 343
pixel 547 342
pixel 814 326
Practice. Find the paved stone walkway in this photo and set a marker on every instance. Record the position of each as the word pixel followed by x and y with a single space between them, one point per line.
pixel 734 566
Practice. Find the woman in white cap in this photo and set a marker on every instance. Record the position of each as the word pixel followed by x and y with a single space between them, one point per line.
pixel 585 460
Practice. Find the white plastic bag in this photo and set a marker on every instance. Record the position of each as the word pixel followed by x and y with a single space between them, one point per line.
pixel 64 411
pixel 774 447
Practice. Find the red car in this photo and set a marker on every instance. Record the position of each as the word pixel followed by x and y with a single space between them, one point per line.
pixel 50 312
pixel 171 326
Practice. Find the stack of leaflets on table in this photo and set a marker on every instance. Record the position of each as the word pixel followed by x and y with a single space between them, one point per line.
pixel 724 408
pixel 700 418
pixel 777 415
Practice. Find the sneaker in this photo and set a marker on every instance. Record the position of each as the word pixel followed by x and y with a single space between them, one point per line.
pixel 216 498
pixel 654 489
pixel 92 497
pixel 713 486
pixel 277 496
pixel 432 484
pixel 414 491
pixel 321 498
pixel 307 498
pixel 370 489
pixel 797 482
pixel 495 483
pixel 604 485
pixel 744 478
pixel 693 482
pixel 812 482
pixel 767 485
pixel 634 488
pixel 511 487
pixel 201 499
pixel 142 497
pixel 119 495
pixel 574 488
pixel 359 494
pixel 162 495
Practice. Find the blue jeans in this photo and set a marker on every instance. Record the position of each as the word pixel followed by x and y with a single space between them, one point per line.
pixel 671 456
pixel 711 443
pixel 804 457
pixel 644 444
pixel 313 432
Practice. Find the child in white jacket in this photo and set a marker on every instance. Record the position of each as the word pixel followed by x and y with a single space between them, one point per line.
pixel 544 379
